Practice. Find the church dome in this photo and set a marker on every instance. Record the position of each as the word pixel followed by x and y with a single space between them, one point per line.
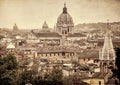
pixel 64 18
pixel 15 27
pixel 65 23
pixel 45 25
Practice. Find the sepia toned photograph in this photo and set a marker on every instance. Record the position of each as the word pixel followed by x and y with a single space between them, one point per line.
pixel 59 42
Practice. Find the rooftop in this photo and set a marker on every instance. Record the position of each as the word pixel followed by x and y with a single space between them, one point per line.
pixel 47 34
pixel 89 54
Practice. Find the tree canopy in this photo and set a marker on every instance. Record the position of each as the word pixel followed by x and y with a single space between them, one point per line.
pixel 8 70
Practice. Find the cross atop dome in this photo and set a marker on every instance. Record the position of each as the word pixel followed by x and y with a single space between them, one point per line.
pixel 65 9
pixel 65 5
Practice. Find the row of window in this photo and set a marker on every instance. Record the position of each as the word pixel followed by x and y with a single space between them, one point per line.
pixel 58 54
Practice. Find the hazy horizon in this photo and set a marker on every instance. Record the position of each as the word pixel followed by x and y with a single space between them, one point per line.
pixel 31 14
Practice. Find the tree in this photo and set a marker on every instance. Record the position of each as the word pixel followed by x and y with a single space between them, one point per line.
pixel 117 63
pixel 8 70
pixel 38 80
pixel 24 62
pixel 73 80
pixel 26 76
pixel 54 78
pixel 115 77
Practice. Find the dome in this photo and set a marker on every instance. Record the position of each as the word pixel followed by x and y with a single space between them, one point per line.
pixel 64 18
pixel 15 27
pixel 45 25
pixel 64 24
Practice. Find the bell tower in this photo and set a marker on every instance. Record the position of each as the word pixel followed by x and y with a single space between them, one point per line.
pixel 107 53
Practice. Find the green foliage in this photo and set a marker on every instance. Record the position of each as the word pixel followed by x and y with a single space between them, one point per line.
pixel 38 80
pixel 10 62
pixel 25 61
pixel 26 76
pixel 57 74
pixel 54 78
pixel 118 62
pixel 73 80
pixel 8 70
pixel 67 80
pixel 11 74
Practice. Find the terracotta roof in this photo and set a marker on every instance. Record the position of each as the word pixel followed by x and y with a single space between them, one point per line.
pixel 47 34
pixel 89 53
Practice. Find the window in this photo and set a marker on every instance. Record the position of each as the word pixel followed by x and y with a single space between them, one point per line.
pixel 68 29
pixel 65 32
pixel 63 53
pixel 99 82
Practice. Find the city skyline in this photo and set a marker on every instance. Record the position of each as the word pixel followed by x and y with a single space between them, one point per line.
pixel 31 14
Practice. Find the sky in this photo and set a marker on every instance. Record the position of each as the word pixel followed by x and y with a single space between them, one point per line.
pixel 31 14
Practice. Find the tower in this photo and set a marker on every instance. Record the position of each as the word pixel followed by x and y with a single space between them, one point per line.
pixel 107 53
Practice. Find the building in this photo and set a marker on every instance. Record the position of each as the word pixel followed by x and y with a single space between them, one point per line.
pixel 95 81
pixel 63 35
pixel 65 23
pixel 45 27
pixel 107 53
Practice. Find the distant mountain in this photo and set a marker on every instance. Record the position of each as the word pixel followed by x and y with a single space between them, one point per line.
pixel 88 27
